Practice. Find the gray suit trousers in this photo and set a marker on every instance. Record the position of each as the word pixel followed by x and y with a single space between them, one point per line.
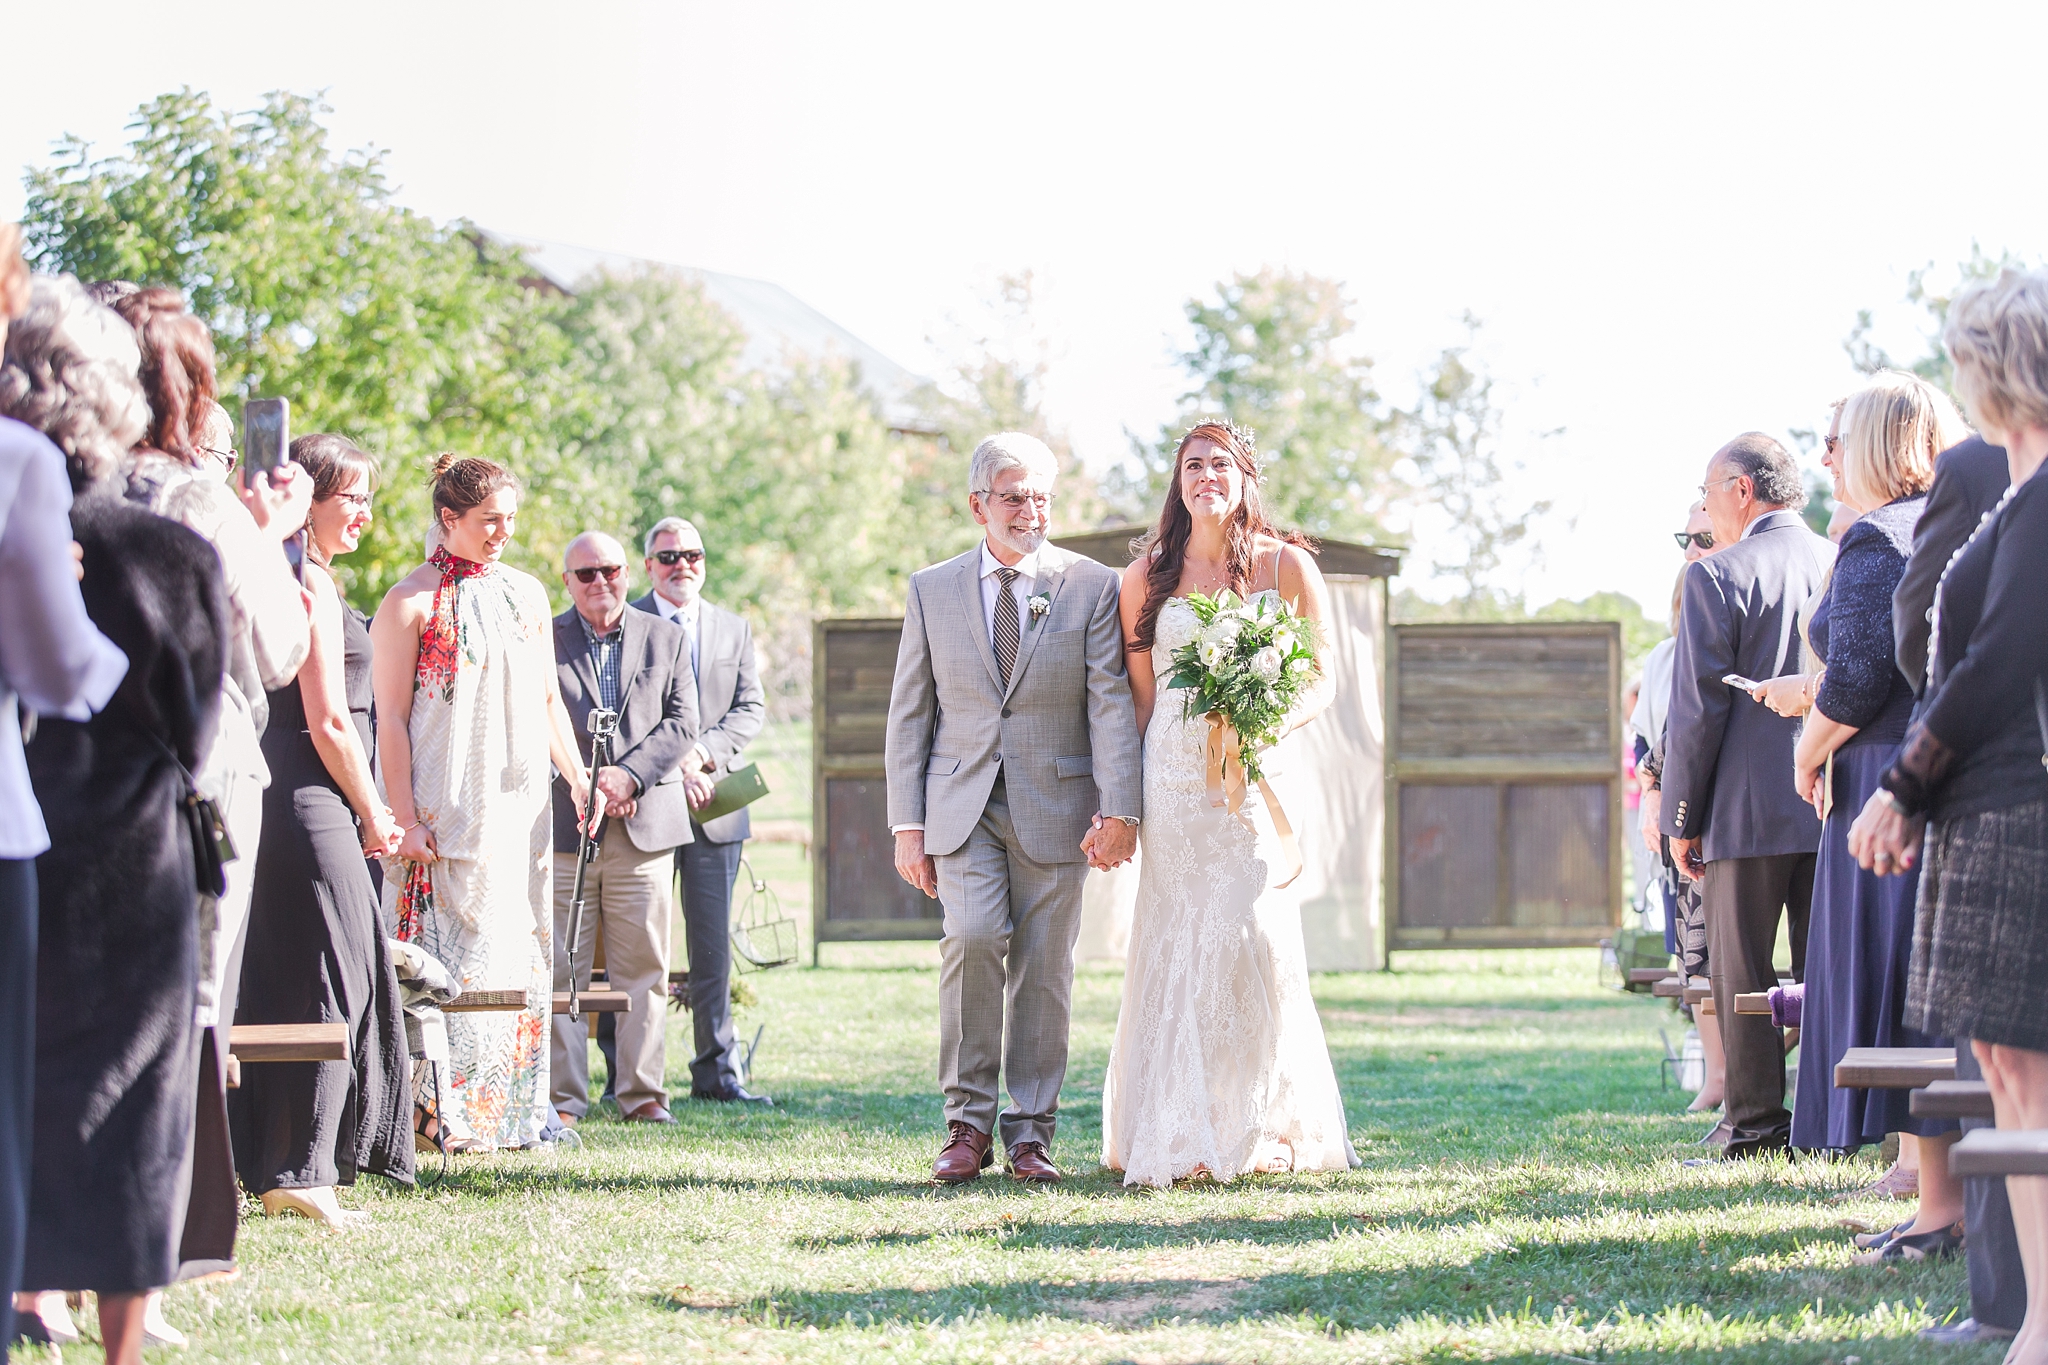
pixel 1006 958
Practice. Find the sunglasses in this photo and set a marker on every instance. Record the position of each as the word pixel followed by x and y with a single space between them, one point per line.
pixel 608 572
pixel 670 558
pixel 1703 539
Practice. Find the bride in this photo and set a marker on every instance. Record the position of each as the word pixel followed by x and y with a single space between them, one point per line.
pixel 1219 1067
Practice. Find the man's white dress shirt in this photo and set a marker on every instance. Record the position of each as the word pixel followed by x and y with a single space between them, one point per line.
pixel 686 617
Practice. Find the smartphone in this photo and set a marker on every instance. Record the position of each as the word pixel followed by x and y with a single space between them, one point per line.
pixel 266 434
pixel 1737 680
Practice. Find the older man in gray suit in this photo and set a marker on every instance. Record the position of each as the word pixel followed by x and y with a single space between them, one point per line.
pixel 732 707
pixel 1736 823
pixel 1013 764
pixel 632 664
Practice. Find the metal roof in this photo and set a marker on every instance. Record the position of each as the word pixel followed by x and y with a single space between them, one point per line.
pixel 778 324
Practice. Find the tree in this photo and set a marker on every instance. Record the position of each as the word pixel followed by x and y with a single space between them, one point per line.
pixel 1933 299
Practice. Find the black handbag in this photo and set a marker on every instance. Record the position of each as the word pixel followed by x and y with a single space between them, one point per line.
pixel 212 846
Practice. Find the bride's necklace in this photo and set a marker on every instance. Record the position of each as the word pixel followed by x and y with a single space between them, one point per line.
pixel 1208 582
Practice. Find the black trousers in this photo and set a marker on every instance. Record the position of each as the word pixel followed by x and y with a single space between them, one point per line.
pixel 1743 898
pixel 17 1070
pixel 1998 1282
pixel 708 871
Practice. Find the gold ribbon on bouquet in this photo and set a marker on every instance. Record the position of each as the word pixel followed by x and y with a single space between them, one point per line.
pixel 1224 759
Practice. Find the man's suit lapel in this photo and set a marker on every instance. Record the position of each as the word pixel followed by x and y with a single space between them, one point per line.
pixel 967 582
pixel 632 646
pixel 1051 577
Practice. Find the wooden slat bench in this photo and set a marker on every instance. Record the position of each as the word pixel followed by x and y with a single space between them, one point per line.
pixel 1670 988
pixel 1647 976
pixel 283 1043
pixel 1952 1100
pixel 2001 1151
pixel 593 1001
pixel 1894 1068
pixel 1756 1002
pixel 1695 994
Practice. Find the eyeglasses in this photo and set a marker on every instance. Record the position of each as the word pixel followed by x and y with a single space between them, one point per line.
pixel 671 558
pixel 1703 539
pixel 1017 502
pixel 1707 488
pixel 606 571
pixel 358 502
pixel 229 458
pixel 1833 443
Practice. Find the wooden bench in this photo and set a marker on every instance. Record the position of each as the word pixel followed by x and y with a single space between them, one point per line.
pixel 2001 1151
pixel 283 1043
pixel 1894 1068
pixel 1670 988
pixel 593 1001
pixel 1952 1100
pixel 1753 1002
pixel 1695 994
pixel 1647 976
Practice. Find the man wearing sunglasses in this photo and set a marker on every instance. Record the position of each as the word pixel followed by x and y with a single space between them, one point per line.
pixel 732 708
pixel 639 667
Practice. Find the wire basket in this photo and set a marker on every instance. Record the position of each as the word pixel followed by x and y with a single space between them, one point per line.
pixel 762 936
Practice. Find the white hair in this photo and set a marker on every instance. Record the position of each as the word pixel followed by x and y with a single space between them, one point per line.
pixel 667 526
pixel 1008 450
pixel 70 372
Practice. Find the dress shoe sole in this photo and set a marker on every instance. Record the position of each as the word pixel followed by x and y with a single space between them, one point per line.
pixel 1035 1179
pixel 938 1179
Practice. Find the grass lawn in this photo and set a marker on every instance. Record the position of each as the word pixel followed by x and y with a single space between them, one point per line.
pixel 1521 1199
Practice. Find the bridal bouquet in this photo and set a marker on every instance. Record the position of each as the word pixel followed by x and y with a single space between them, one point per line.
pixel 1247 668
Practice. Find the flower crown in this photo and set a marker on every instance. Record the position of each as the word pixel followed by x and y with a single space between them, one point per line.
pixel 1244 436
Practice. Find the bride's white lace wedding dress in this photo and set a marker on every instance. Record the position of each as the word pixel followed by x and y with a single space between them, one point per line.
pixel 1219 1064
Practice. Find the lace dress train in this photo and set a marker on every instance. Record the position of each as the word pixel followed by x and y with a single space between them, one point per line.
pixel 1219 1066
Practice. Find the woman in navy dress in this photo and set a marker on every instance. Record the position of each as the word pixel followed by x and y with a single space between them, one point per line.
pixel 1861 936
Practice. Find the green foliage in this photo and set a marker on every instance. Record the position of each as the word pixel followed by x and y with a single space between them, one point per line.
pixel 1932 298
pixel 1252 662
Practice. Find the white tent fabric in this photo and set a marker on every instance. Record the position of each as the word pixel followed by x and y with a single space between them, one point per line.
pixel 1330 778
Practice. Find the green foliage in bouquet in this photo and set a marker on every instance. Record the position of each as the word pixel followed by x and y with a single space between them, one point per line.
pixel 1251 663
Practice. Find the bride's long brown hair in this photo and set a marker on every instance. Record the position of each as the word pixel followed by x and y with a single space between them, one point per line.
pixel 1167 544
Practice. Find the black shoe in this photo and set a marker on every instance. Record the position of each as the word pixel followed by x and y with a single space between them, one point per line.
pixel 737 1094
pixel 1968 1332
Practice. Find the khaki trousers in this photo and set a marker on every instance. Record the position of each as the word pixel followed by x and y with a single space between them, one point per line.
pixel 627 891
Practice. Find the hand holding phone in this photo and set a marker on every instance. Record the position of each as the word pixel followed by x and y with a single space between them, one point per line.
pixel 1737 680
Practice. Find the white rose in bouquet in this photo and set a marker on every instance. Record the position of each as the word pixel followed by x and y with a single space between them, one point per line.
pixel 1283 640
pixel 1215 655
pixel 1266 664
pixel 1303 665
pixel 1224 630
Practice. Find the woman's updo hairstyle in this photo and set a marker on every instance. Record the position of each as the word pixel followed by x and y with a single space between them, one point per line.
pixel 332 461
pixel 177 369
pixel 464 481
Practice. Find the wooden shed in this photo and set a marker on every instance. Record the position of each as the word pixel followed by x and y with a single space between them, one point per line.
pixel 1504 784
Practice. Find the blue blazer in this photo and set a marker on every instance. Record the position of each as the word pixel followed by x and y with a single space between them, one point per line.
pixel 1728 760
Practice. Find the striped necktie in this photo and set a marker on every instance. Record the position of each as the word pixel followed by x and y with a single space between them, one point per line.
pixel 1006 623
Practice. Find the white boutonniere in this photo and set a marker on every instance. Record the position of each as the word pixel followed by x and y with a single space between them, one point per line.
pixel 1040 604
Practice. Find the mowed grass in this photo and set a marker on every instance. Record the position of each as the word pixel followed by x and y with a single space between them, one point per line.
pixel 1521 1199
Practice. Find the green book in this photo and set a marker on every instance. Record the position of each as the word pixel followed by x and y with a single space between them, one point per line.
pixel 738 790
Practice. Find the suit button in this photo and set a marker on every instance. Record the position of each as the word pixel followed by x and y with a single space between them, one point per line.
pixel 1006 713
pixel 999 758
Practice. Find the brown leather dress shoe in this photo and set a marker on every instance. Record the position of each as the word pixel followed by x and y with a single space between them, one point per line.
pixel 964 1157
pixel 650 1112
pixel 1028 1161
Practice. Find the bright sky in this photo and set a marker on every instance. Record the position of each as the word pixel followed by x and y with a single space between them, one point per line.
pixel 1666 217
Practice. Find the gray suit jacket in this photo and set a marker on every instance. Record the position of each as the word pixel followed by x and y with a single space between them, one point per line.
pixel 657 725
pixel 731 707
pixel 1728 760
pixel 1969 479
pixel 1063 735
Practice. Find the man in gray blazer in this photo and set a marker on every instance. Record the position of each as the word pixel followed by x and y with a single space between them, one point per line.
pixel 1736 823
pixel 732 709
pixel 627 662
pixel 1013 764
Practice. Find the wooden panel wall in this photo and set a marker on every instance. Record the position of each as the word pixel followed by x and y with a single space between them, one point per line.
pixel 1504 776
pixel 856 893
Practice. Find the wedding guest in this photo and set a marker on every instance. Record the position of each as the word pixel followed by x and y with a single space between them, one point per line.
pixel 468 719
pixel 636 665
pixel 1856 708
pixel 1969 479
pixel 1735 825
pixel 171 474
pixel 730 710
pixel 55 662
pixel 1968 791
pixel 117 958
pixel 316 953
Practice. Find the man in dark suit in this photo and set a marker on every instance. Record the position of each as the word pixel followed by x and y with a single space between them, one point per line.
pixel 732 707
pixel 639 667
pixel 1736 823
pixel 1969 479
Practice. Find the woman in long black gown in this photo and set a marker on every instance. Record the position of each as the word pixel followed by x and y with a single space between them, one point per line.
pixel 316 953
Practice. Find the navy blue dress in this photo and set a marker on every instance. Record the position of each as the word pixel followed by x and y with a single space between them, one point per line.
pixel 1861 935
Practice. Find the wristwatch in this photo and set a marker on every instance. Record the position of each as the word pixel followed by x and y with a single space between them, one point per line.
pixel 1130 820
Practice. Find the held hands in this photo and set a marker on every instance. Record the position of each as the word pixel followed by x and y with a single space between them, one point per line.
pixel 619 791
pixel 1109 843
pixel 914 865
pixel 381 834
pixel 278 502
pixel 1884 841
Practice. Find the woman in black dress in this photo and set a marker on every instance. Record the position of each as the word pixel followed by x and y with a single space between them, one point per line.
pixel 1968 797
pixel 316 953
pixel 117 961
